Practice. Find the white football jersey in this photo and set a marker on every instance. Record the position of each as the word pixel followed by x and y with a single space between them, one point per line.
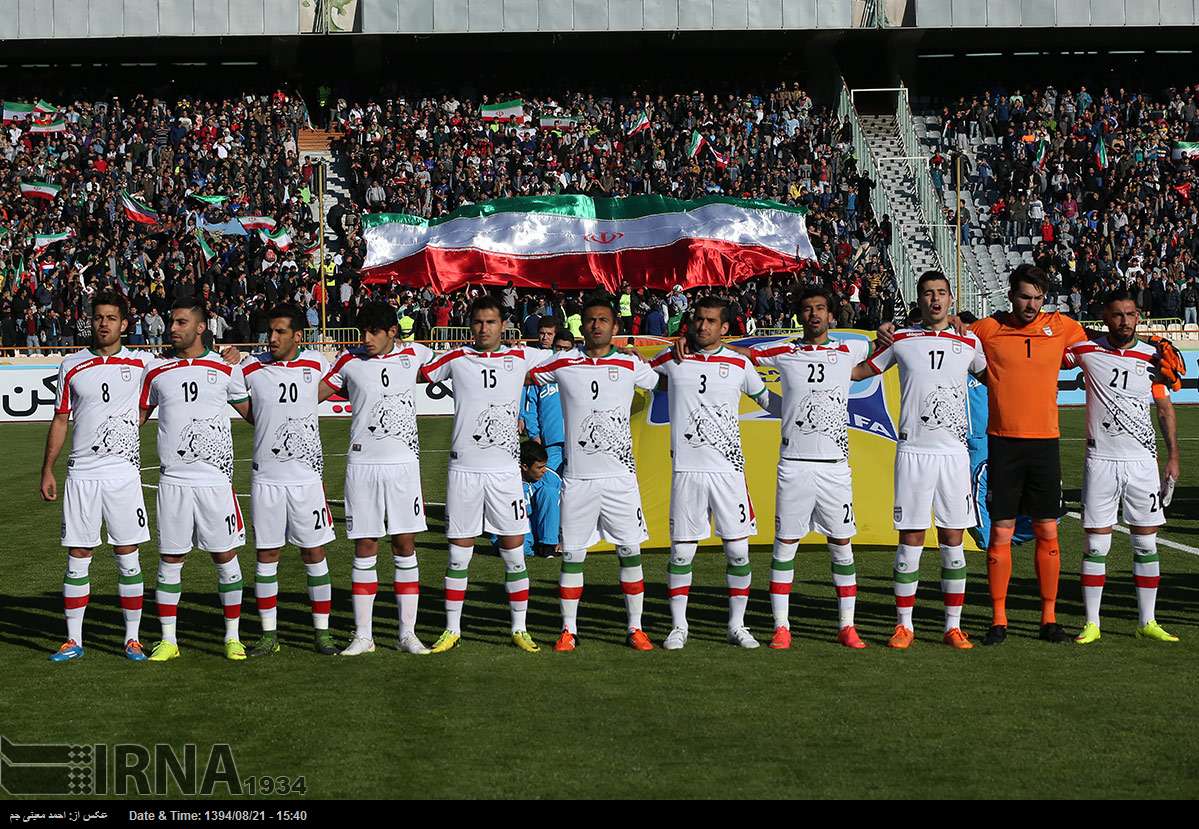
pixel 597 394
pixel 705 405
pixel 816 381
pixel 100 393
pixel 287 432
pixel 487 389
pixel 1120 389
pixel 934 410
pixel 195 445
pixel 382 393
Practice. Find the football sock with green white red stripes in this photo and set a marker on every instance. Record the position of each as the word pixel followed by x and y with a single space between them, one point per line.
pixel 632 582
pixel 953 584
pixel 1146 574
pixel 516 582
pixel 678 580
pixel 364 584
pixel 167 595
pixel 130 591
pixel 76 590
pixel 906 579
pixel 782 574
pixel 266 594
pixel 455 585
pixel 229 584
pixel 845 581
pixel 320 593
pixel 1094 573
pixel 407 590
pixel 570 588
pixel 737 576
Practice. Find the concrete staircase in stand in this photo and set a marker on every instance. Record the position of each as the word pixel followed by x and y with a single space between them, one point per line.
pixel 315 144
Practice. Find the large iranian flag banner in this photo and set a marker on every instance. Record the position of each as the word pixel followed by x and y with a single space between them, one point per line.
pixel 578 242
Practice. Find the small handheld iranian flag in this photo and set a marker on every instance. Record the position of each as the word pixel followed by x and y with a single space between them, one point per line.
pixel 210 199
pixel 720 159
pixel 642 123
pixel 695 144
pixel 1185 149
pixel 257 222
pixel 39 190
pixel 1101 154
pixel 17 111
pixel 44 240
pixel 137 210
pixel 281 239
pixel 558 122
pixel 504 111
pixel 47 123
pixel 44 107
pixel 205 249
pixel 1042 154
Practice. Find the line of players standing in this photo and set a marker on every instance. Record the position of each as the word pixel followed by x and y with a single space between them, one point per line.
pixel 110 391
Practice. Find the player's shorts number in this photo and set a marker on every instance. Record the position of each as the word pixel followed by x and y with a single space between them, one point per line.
pixel 518 509
pixel 288 393
pixel 230 523
pixel 323 518
pixel 743 515
pixel 141 517
pixel 416 506
pixel 848 513
pixel 1154 503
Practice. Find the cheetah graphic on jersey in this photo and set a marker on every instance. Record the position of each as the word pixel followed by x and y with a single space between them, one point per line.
pixel 394 416
pixel 496 426
pixel 118 436
pixel 208 441
pixel 825 412
pixel 1130 416
pixel 299 439
pixel 607 432
pixel 716 426
pixel 945 408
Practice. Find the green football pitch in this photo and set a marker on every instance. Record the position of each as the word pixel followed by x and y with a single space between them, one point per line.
pixel 1027 719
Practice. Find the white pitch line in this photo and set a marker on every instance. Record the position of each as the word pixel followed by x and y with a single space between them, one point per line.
pixel 1165 542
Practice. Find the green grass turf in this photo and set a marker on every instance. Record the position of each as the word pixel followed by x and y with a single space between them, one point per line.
pixel 1028 719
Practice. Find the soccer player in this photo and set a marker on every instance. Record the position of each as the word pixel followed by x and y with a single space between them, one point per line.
pixel 383 481
pixel 708 480
pixel 541 409
pixel 483 485
pixel 815 484
pixel 1024 349
pixel 600 495
pixel 98 388
pixel 932 462
pixel 286 491
pixel 1121 460
pixel 197 505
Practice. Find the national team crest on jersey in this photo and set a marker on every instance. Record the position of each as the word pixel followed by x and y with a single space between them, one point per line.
pixel 307 375
pixel 126 373
pixel 508 364
pixel 723 370
pixel 299 439
pixel 1048 331
pixel 613 374
pixel 957 347
pixel 212 376
pixel 405 362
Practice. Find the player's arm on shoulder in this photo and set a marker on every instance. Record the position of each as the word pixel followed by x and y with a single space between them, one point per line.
pixel 885 335
pixel 1168 422
pixel 232 355
pixel 56 437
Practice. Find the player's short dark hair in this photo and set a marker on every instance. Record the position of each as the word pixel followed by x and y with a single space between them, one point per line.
pixel 191 304
pixel 713 301
pixel 563 335
pixel 932 276
pixel 291 313
pixel 532 452
pixel 114 299
pixel 486 302
pixel 967 317
pixel 377 315
pixel 1029 275
pixel 814 292
pixel 599 301
pixel 549 322
pixel 1118 295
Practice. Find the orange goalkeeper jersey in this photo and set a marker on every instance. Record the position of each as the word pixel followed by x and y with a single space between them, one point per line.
pixel 1022 369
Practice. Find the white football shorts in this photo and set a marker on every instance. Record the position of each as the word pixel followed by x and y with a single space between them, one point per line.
pixel 290 514
pixel 383 499
pixel 933 485
pixel 478 502
pixel 598 509
pixel 118 502
pixel 812 495
pixel 1133 486
pixel 208 517
pixel 698 497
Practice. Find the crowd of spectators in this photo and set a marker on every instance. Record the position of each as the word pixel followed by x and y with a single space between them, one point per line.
pixel 419 154
pixel 1100 183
